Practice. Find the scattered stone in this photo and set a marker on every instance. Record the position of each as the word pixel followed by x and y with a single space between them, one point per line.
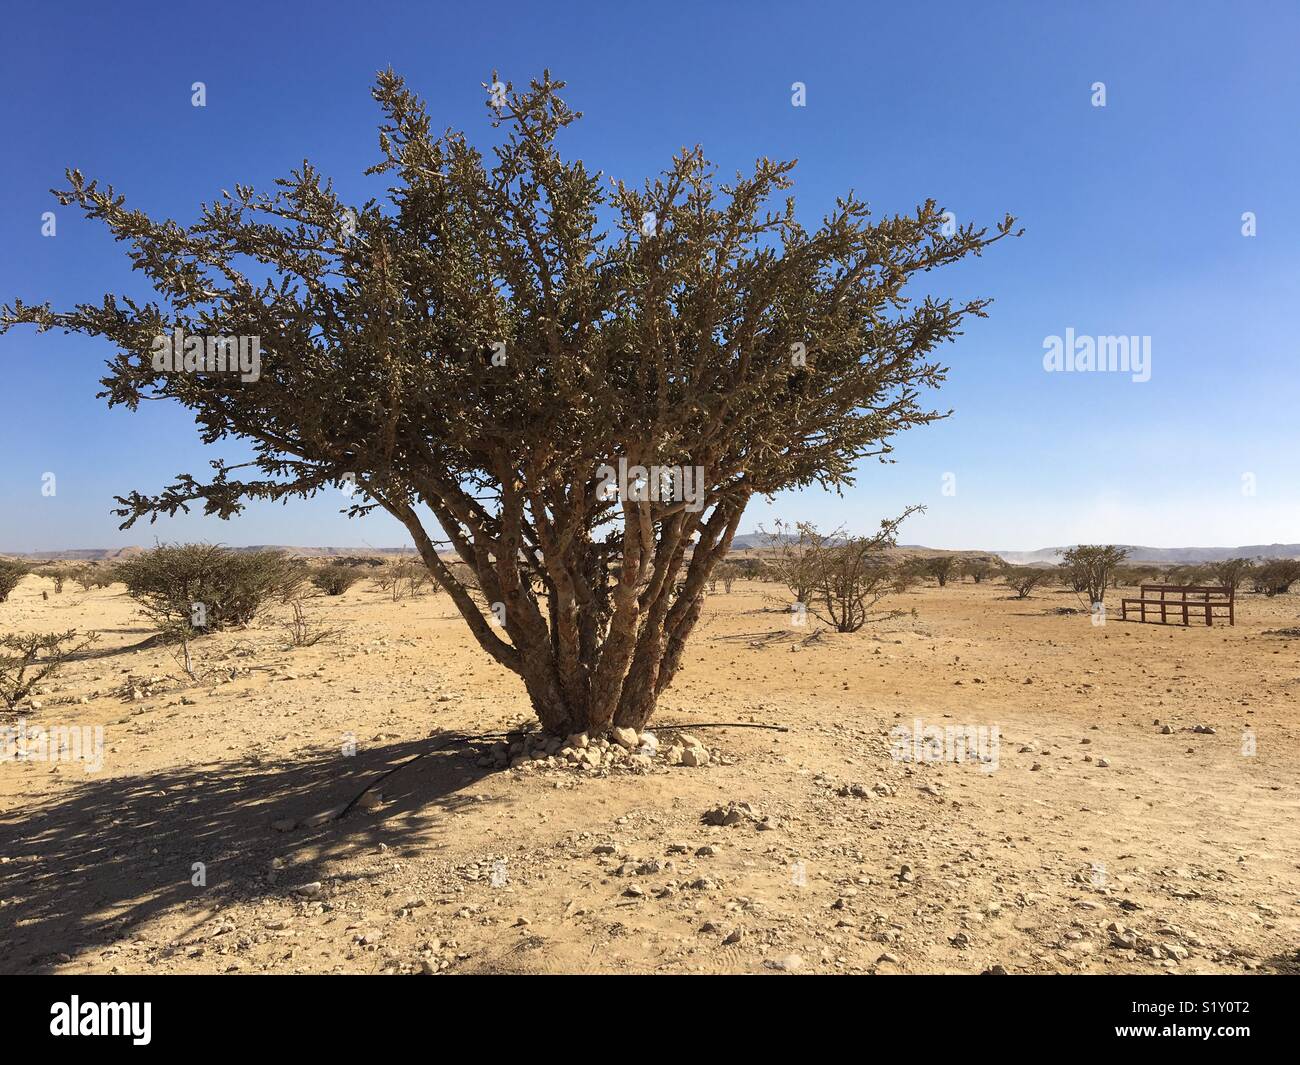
pixel 731 814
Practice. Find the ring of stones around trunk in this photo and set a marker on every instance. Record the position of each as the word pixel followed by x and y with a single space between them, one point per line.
pixel 624 750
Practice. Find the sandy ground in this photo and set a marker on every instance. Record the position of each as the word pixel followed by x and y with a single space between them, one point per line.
pixel 1092 841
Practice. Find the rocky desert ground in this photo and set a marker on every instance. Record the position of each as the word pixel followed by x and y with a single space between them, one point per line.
pixel 1136 814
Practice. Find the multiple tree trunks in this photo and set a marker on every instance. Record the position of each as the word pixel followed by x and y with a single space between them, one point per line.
pixel 1186 600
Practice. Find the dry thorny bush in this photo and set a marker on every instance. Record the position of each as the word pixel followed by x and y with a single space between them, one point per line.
pixel 26 659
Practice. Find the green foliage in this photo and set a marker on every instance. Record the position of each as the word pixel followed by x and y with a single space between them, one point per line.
pixel 1024 579
pixel 336 579
pixel 940 567
pixel 979 569
pixel 1231 572
pixel 186 589
pixel 1275 576
pixel 1089 569
pixel 10 574
pixel 58 574
pixel 95 577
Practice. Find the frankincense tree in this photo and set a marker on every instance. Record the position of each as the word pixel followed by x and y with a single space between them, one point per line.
pixel 477 351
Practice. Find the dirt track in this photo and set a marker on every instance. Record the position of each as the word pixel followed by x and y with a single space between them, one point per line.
pixel 1187 845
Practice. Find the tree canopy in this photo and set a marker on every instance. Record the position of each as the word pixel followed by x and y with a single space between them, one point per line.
pixel 470 349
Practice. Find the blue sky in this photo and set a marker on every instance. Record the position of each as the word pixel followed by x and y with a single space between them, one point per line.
pixel 1133 216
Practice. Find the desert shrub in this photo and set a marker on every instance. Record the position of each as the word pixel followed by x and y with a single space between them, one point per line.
pixel 190 588
pixel 1024 579
pixel 940 567
pixel 851 575
pixel 410 576
pixel 978 569
pixel 26 659
pixel 336 578
pixel 727 571
pixel 1089 568
pixel 790 559
pixel 1275 576
pixel 1231 572
pixel 1187 575
pixel 58 574
pixel 362 561
pixel 10 574
pixel 303 630
pixel 1130 576
pixel 95 577
pixel 1071 577
pixel 752 569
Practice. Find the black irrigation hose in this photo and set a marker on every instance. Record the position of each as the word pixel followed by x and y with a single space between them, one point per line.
pixel 721 724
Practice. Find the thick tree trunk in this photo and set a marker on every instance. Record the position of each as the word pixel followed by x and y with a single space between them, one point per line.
pixel 591 656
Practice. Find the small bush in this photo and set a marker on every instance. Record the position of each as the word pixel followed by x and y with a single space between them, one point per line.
pixel 1275 576
pixel 1186 576
pixel 940 567
pixel 336 579
pixel 95 577
pixel 26 659
pixel 192 588
pixel 852 574
pixel 410 576
pixel 10 574
pixel 1232 572
pixel 1024 580
pixel 1089 568
pixel 303 631
pixel 58 574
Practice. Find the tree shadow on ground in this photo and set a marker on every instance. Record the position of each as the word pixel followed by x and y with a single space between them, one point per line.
pixel 1283 964
pixel 94 864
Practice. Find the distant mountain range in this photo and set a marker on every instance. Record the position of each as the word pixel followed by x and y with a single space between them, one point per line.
pixel 1050 556
pixel 751 541
pixel 1165 555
